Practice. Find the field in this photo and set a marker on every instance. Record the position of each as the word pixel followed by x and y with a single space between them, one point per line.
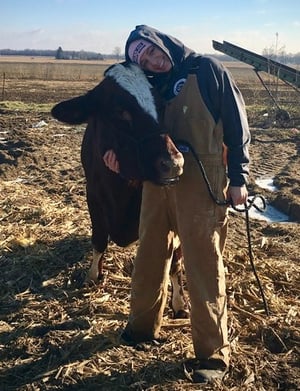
pixel 58 335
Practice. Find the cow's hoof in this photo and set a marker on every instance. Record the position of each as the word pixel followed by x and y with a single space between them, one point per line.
pixel 76 279
pixel 92 280
pixel 181 314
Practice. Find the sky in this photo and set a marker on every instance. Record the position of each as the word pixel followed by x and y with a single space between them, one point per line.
pixel 102 26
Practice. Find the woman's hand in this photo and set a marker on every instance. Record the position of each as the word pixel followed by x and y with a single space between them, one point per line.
pixel 110 160
pixel 237 194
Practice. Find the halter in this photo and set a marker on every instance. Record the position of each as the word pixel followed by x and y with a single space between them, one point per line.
pixel 138 143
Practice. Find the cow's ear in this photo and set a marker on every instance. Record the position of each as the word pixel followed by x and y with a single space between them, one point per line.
pixel 73 111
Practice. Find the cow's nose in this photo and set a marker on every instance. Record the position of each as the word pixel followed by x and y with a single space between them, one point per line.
pixel 170 168
pixel 165 166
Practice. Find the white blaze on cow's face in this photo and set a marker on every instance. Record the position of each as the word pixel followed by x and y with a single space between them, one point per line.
pixel 133 80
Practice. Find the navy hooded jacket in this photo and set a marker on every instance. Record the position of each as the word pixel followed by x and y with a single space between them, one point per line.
pixel 218 90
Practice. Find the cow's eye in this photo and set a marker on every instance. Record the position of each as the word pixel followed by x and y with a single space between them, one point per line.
pixel 126 116
pixel 122 115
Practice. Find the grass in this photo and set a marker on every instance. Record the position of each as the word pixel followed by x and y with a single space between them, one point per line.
pixel 34 70
pixel 14 106
pixel 52 70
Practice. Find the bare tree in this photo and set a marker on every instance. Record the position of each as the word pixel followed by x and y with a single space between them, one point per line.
pixel 117 52
pixel 274 52
pixel 59 53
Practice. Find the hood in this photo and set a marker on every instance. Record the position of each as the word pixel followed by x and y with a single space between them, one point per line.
pixel 181 57
pixel 172 47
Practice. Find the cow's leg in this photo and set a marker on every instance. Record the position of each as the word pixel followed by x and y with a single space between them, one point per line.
pixel 99 238
pixel 178 300
pixel 95 273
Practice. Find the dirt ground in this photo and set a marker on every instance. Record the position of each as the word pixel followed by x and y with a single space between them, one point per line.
pixel 57 335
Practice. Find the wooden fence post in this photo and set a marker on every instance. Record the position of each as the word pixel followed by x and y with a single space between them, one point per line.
pixel 3 86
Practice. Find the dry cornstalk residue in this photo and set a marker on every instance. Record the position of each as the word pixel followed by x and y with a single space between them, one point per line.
pixel 56 334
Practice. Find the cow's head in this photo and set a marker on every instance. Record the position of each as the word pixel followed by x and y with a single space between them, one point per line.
pixel 122 113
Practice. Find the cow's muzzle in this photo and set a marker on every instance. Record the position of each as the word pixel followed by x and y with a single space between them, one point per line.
pixel 169 168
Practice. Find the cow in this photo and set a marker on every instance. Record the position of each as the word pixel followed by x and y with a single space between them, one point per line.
pixel 122 113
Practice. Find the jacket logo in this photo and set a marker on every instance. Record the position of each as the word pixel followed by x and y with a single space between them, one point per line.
pixel 178 85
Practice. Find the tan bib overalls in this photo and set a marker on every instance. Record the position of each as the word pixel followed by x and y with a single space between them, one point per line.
pixel 188 210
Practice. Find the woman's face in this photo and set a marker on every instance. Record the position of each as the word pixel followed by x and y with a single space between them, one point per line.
pixel 155 60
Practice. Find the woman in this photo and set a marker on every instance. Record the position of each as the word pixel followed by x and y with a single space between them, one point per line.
pixel 204 108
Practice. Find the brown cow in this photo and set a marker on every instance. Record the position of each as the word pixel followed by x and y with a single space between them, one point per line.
pixel 121 115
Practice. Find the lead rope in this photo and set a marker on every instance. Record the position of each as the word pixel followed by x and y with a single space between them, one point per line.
pixel 184 146
pixel 250 252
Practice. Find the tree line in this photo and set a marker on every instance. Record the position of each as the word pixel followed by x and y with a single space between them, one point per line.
pixel 58 54
pixel 61 54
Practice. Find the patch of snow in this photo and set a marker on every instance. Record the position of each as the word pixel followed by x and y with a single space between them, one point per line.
pixel 266 183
